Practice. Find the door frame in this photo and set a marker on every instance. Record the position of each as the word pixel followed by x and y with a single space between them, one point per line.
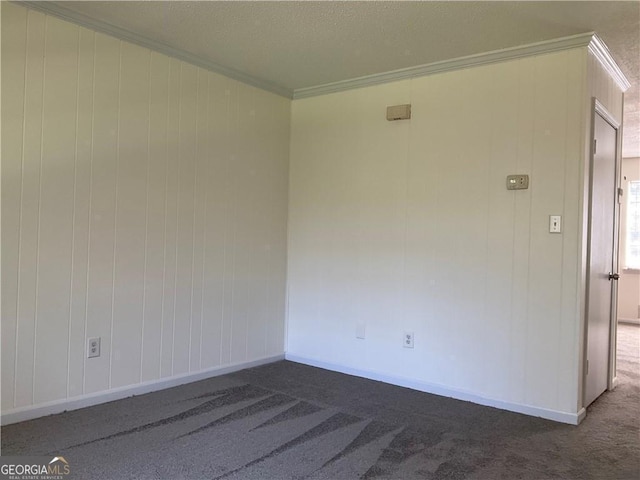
pixel 597 108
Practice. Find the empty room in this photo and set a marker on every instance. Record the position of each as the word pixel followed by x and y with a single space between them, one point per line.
pixel 320 240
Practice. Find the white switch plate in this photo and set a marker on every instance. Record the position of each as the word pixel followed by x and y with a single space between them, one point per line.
pixel 555 223
pixel 361 329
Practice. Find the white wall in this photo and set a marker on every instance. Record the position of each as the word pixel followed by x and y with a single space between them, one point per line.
pixel 408 226
pixel 144 201
pixel 629 283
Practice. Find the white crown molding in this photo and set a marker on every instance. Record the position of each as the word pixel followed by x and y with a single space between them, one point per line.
pixel 547 46
pixel 590 40
pixel 602 54
pixel 57 10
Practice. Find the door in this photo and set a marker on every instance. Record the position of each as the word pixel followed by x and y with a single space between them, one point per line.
pixel 602 258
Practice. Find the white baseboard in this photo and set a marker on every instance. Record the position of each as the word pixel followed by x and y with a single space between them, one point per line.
pixel 58 406
pixel 558 416
pixel 633 321
pixel 614 383
pixel 581 414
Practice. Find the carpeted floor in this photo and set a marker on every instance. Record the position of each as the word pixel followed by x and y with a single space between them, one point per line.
pixel 286 421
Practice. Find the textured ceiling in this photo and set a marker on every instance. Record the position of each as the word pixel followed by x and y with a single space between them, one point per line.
pixel 302 44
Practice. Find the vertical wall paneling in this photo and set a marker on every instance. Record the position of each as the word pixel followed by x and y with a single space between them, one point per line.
pixel 278 138
pixel 29 209
pixel 602 86
pixel 171 218
pixel 253 221
pixel 281 108
pixel 568 331
pixel 381 196
pixel 491 296
pixel 242 216
pixel 81 212
pixel 103 202
pixel 419 299
pixel 320 213
pixel 139 193
pixel 156 218
pixel 230 219
pixel 215 199
pixel 132 187
pixel 547 196
pixel 184 235
pixel 256 332
pixel 518 306
pixel 197 291
pixel 501 206
pixel 14 45
pixel 56 211
pixel 467 223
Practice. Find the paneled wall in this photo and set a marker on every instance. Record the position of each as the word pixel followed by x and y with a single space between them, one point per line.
pixel 407 226
pixel 144 201
pixel 629 283
pixel 599 85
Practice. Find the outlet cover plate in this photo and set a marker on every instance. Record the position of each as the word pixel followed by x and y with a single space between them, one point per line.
pixel 93 347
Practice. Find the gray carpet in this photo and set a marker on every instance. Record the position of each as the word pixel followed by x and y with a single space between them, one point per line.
pixel 289 421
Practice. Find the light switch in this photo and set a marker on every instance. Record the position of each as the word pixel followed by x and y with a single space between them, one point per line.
pixel 555 223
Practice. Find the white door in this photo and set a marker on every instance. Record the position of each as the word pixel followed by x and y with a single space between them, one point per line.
pixel 602 269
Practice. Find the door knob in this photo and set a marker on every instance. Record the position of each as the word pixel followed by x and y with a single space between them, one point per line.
pixel 613 276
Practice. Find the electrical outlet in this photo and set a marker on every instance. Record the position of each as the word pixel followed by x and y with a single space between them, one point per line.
pixel 93 347
pixel 407 341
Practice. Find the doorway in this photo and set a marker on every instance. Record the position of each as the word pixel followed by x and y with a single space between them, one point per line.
pixel 602 270
pixel 629 283
pixel 628 314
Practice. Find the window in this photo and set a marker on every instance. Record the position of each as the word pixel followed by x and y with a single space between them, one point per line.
pixel 632 253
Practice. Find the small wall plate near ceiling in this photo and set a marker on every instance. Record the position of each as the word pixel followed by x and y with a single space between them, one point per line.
pixel 399 112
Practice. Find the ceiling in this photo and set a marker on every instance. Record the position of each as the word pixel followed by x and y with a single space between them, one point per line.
pixel 308 43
